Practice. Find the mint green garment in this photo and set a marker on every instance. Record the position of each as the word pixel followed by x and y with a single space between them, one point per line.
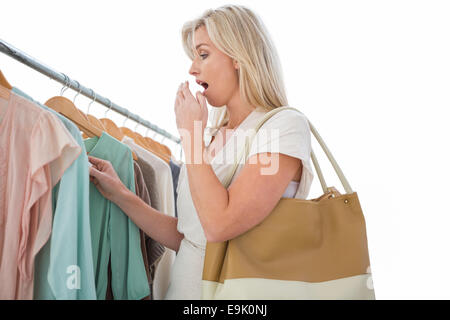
pixel 64 267
pixel 113 233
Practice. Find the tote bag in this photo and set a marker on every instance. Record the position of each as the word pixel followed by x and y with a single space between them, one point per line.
pixel 304 249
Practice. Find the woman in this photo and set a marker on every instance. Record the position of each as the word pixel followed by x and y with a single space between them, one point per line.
pixel 234 59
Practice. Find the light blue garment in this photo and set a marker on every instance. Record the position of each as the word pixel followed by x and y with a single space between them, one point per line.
pixel 64 267
pixel 113 233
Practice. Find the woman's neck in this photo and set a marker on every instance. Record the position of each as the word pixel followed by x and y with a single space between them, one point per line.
pixel 236 118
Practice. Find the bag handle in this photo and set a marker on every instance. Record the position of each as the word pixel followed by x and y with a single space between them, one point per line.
pixel 319 139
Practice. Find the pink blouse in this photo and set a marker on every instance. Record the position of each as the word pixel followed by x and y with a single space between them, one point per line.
pixel 35 150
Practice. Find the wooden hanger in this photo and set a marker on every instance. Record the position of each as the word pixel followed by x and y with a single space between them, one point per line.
pixel 5 87
pixel 96 122
pixel 105 128
pixel 134 136
pixel 150 143
pixel 169 152
pixel 159 150
pixel 66 107
pixel 112 128
pixel 139 140
pixel 88 119
pixel 114 131
pixel 4 82
pixel 154 148
pixel 162 149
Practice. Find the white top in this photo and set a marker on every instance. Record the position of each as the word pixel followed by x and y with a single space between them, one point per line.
pixel 167 205
pixel 291 190
pixel 286 132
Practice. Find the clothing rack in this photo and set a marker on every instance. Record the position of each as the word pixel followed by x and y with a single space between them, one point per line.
pixel 75 85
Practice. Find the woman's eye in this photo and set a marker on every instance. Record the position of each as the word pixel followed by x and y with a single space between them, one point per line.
pixel 202 55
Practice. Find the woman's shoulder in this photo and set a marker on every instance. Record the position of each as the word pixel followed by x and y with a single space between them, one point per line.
pixel 286 132
pixel 287 119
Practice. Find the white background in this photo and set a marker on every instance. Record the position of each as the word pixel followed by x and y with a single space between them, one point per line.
pixel 372 76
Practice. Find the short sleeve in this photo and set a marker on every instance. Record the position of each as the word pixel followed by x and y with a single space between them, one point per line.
pixel 287 132
pixel 60 148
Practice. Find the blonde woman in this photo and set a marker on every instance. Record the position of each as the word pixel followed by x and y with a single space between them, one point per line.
pixel 234 59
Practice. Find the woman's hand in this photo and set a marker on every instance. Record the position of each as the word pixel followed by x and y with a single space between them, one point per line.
pixel 190 111
pixel 105 178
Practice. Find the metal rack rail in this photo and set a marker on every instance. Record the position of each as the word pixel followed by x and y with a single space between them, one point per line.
pixel 24 58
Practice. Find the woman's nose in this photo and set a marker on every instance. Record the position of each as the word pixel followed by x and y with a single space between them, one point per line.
pixel 193 70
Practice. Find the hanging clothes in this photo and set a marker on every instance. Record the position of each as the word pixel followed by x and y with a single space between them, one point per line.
pixel 152 250
pixel 35 151
pixel 150 256
pixel 167 206
pixel 69 247
pixel 151 182
pixel 113 233
pixel 164 179
pixel 175 168
pixel 140 193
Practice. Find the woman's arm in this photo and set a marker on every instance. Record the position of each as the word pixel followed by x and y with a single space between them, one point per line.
pixel 227 213
pixel 157 225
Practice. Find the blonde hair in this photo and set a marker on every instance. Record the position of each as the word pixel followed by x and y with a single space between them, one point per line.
pixel 239 33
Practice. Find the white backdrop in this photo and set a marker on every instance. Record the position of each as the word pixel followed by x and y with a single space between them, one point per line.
pixel 372 76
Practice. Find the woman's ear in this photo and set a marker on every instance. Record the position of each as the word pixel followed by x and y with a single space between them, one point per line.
pixel 236 64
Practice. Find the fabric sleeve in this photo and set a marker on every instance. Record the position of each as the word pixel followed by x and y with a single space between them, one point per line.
pixel 51 144
pixel 286 132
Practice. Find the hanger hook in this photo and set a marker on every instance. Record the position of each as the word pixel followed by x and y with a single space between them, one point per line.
pixel 79 87
pixel 154 135
pixel 64 86
pixel 128 115
pixel 146 131
pixel 137 124
pixel 164 138
pixel 68 84
pixel 95 97
pixel 110 106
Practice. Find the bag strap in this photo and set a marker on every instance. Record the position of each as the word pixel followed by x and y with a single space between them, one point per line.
pixel 319 139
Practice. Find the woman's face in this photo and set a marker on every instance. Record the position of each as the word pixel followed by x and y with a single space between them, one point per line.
pixel 215 68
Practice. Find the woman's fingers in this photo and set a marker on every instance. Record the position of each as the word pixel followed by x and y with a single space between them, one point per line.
pixel 180 94
pixel 104 177
pixel 185 90
pixel 180 91
pixel 99 164
pixel 93 172
pixel 95 161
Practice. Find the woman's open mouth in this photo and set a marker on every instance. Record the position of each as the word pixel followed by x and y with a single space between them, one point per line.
pixel 203 84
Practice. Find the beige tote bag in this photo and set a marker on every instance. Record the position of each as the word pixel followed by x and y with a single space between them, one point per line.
pixel 304 249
